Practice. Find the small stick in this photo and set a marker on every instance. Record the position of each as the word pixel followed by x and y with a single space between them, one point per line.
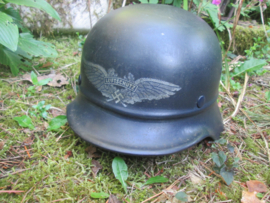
pixel 260 131
pixel 3 176
pixel 156 195
pixel 27 151
pixel 6 131
pixel 239 100
pixel 213 172
pixel 61 135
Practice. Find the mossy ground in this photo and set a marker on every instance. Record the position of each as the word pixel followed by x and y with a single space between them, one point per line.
pixel 50 176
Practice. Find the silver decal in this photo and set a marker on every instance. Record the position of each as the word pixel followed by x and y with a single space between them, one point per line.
pixel 132 91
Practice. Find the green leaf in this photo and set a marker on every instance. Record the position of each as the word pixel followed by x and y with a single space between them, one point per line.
pixel 44 114
pixel 47 107
pixel 267 95
pixel 177 3
pixel 39 105
pixel 44 81
pixel 221 141
pixel 219 159
pixel 14 14
pixel 35 47
pixel 101 195
pixel 120 171
pixel 157 179
pixel 13 59
pixel 230 147
pixel 153 1
pixel 168 1
pixel 260 195
pixel 250 65
pixel 182 196
pixel 40 4
pixel 9 32
pixel 57 122
pixel 25 121
pixel 34 78
pixel 144 1
pixel 1 2
pixel 226 175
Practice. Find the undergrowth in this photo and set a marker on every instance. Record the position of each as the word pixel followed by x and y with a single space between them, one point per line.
pixel 58 167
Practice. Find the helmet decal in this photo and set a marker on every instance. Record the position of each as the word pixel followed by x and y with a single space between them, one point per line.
pixel 132 90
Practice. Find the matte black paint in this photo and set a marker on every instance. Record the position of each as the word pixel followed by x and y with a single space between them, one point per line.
pixel 151 41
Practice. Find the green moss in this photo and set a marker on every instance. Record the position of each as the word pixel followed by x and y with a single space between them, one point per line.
pixel 244 37
pixel 251 146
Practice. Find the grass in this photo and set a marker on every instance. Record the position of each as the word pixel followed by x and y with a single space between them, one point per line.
pixel 61 171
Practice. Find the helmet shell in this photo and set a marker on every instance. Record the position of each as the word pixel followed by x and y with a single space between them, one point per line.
pixel 148 68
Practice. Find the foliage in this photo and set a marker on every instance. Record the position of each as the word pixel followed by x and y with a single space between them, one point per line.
pixel 41 110
pixel 267 95
pixel 101 195
pixel 81 41
pixel 182 196
pixel 249 66
pixel 25 121
pixel 156 179
pixel 225 170
pixel 36 83
pixel 120 171
pixel 17 45
pixel 57 122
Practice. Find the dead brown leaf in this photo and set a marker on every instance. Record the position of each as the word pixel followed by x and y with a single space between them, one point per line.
pixel 2 145
pixel 113 199
pixel 45 65
pixel 97 166
pixel 68 154
pixel 29 140
pixel 250 197
pixel 55 112
pixel 58 80
pixel 256 186
pixel 91 151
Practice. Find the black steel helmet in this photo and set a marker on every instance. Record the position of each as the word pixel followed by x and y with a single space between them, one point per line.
pixel 149 82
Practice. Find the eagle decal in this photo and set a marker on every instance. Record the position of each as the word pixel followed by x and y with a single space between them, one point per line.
pixel 132 90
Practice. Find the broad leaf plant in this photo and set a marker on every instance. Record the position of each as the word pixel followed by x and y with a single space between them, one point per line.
pixel 17 44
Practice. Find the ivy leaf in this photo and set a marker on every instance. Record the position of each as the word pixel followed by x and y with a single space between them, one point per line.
pixel 182 196
pixel 230 147
pixel 249 65
pixel 226 175
pixel 25 121
pixel 57 122
pixel 40 4
pixel 219 159
pixel 120 171
pixel 101 195
pixel 157 179
pixel 9 32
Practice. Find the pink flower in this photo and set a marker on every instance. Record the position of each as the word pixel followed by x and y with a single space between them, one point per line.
pixel 217 2
pixel 261 0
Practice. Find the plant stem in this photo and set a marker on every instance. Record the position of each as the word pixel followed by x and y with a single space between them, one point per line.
pixel 185 5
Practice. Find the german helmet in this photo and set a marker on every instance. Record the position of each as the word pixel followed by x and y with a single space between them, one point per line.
pixel 149 82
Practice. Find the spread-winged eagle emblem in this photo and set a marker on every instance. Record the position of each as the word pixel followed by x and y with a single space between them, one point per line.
pixel 132 90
